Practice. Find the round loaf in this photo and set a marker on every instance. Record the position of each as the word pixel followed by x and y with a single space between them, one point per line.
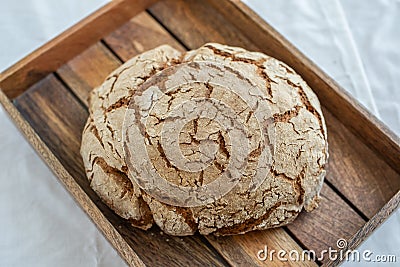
pixel 236 139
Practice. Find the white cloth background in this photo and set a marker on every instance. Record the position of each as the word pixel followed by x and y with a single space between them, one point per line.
pixel 355 42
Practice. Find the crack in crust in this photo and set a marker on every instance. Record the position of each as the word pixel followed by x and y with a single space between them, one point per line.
pixel 187 215
pixel 122 102
pixel 260 71
pixel 146 219
pixel 296 182
pixel 257 63
pixel 118 174
pixel 307 104
pixel 287 115
pixel 247 225
pixel 94 130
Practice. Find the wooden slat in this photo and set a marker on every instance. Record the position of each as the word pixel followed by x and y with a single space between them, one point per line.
pixel 58 118
pixel 242 250
pixel 48 102
pixel 340 222
pixel 236 248
pixel 139 35
pixel 355 117
pixel 365 231
pixel 88 70
pixel 195 24
pixel 53 54
pixel 359 173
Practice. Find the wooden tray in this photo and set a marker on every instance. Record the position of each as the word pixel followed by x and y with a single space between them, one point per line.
pixel 46 96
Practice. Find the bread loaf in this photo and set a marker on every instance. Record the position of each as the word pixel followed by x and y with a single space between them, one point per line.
pixel 215 140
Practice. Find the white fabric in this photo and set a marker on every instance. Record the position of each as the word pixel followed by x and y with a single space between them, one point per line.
pixel 356 42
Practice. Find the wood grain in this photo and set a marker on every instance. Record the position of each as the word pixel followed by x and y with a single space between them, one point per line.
pixel 70 43
pixel 324 226
pixel 392 205
pixel 88 70
pixel 140 34
pixel 45 108
pixel 251 243
pixel 356 171
pixel 192 25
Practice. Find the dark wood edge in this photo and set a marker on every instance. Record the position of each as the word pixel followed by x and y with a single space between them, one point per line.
pixel 368 228
pixel 109 231
pixel 49 57
pixel 361 122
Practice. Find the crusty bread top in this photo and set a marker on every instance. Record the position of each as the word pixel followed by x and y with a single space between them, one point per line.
pixel 280 136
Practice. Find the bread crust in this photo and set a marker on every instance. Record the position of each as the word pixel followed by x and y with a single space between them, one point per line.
pixel 297 165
